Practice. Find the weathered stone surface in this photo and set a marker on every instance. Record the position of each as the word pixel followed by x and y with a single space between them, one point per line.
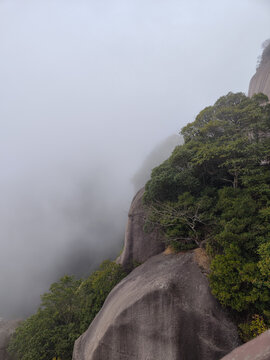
pixel 260 82
pixel 257 349
pixel 163 310
pixel 7 328
pixel 139 245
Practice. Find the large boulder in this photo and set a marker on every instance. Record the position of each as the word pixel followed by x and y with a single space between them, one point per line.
pixel 139 245
pixel 7 328
pixel 162 310
pixel 257 349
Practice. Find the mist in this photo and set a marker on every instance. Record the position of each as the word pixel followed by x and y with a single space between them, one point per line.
pixel 87 90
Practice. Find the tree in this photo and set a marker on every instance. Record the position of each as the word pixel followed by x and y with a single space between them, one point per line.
pixel 52 331
pixel 216 188
pixel 65 313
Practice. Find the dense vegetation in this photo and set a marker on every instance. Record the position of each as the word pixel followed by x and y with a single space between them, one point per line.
pixel 65 313
pixel 214 191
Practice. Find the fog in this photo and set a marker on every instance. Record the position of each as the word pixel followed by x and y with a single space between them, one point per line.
pixel 87 91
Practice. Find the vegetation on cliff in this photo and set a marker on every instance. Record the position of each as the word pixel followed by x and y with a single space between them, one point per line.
pixel 65 313
pixel 215 189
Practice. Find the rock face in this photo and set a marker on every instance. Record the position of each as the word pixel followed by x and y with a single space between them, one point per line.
pixel 139 245
pixel 260 82
pixel 7 328
pixel 162 310
pixel 257 349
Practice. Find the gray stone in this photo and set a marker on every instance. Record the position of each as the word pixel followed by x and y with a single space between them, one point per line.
pixel 7 328
pixel 260 82
pixel 139 245
pixel 163 310
pixel 257 349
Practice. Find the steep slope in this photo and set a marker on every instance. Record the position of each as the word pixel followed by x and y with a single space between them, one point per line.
pixel 260 82
pixel 162 310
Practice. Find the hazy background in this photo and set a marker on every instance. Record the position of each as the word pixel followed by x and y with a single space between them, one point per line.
pixel 87 90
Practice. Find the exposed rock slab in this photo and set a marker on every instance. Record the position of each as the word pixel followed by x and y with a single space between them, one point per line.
pixel 257 349
pixel 260 82
pixel 163 310
pixel 139 245
pixel 7 328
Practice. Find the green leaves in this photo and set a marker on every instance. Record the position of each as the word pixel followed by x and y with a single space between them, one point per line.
pixel 51 331
pixel 264 263
pixel 216 187
pixel 94 290
pixel 65 313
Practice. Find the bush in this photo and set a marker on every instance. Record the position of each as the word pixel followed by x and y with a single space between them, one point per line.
pixel 253 328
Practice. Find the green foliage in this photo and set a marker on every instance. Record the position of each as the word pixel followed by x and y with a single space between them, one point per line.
pixel 65 313
pixel 216 187
pixel 253 328
pixel 264 263
pixel 172 178
pixel 52 330
pixel 94 290
pixel 183 221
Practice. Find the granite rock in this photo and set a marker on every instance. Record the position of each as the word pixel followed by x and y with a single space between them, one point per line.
pixel 139 245
pixel 162 310
pixel 260 82
pixel 256 349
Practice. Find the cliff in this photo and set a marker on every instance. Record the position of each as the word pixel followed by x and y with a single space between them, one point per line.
pixel 260 82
